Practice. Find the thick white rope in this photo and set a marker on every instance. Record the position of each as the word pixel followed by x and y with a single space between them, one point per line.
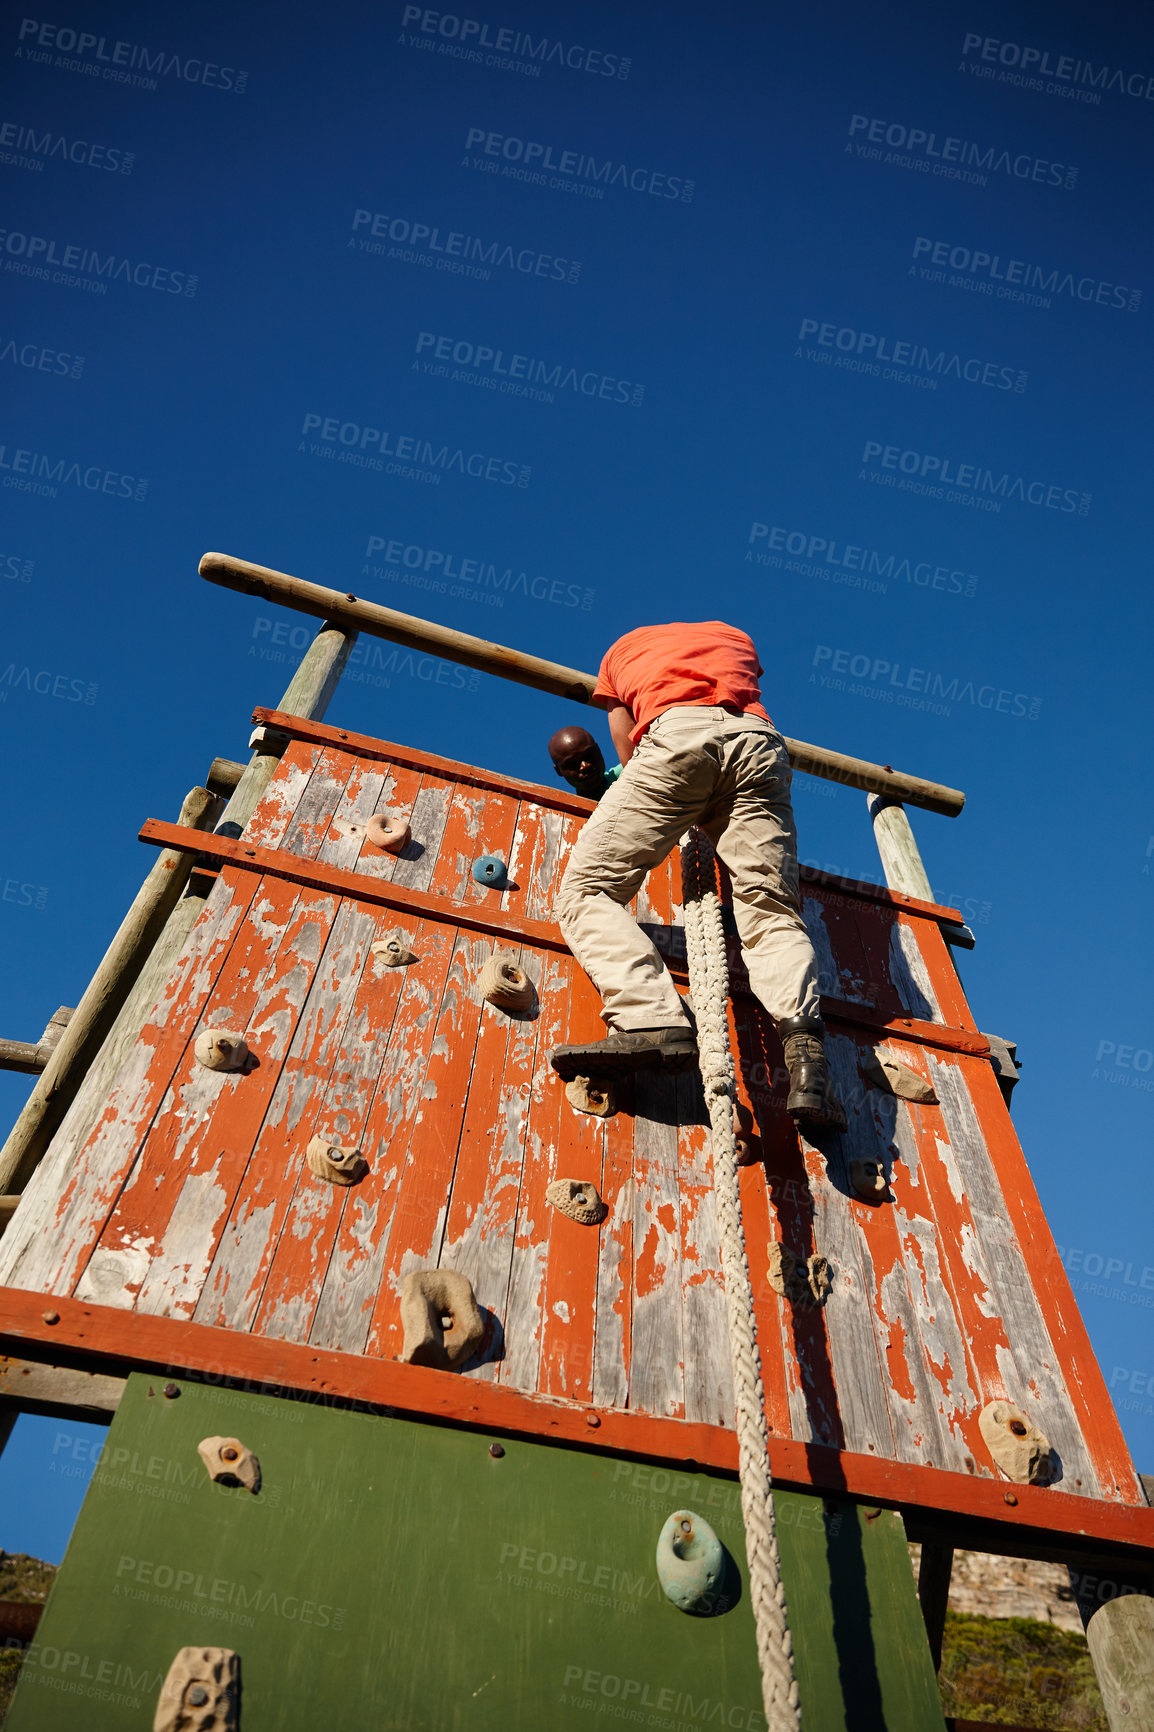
pixel 709 990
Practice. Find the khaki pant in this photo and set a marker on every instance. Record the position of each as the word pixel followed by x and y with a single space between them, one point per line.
pixel 730 774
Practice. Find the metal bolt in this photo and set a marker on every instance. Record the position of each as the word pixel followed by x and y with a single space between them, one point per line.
pixel 496 1451
pixel 1010 1498
pixel 1018 1428
pixel 197 1696
pixel 50 1316
pixel 171 1390
pixel 591 1419
pixel 349 596
pixel 687 1527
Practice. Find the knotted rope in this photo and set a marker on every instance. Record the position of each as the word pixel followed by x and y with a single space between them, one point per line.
pixel 709 988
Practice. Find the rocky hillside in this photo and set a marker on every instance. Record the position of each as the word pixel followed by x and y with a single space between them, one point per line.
pixel 989 1587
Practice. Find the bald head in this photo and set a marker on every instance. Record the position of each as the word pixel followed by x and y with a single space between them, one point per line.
pixel 578 760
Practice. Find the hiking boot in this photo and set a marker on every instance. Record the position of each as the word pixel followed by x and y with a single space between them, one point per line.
pixel 811 1102
pixel 626 1051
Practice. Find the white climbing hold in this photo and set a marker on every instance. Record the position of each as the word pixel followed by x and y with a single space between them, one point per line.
pixel 220 1049
pixel 389 831
pixel 393 951
pixel 577 1198
pixel 200 1692
pixel 690 1562
pixel 504 984
pixel 591 1095
pixel 339 1166
pixel 1017 1446
pixel 439 1314
pixel 895 1078
pixel 868 1180
pixel 228 1460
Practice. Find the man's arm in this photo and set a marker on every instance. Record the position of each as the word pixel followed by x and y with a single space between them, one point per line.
pixel 621 725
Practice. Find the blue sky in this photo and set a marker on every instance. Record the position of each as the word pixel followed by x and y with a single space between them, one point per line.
pixel 732 306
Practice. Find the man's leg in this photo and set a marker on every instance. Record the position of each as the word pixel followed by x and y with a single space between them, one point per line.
pixel 754 833
pixel 660 794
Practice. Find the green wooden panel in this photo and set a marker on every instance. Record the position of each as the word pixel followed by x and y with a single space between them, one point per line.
pixel 861 1656
pixel 395 1575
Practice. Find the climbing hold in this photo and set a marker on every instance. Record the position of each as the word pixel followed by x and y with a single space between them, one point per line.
pixel 745 1136
pixel 1016 1444
pixel 591 1095
pixel 200 1692
pixel 220 1049
pixel 439 1314
pixel 504 983
pixel 868 1179
pixel 801 1283
pixel 393 951
pixel 690 1562
pixel 577 1198
pixel 895 1078
pixel 339 1166
pixel 490 869
pixel 388 831
pixel 229 1462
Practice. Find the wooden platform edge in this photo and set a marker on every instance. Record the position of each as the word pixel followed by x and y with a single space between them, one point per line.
pixel 1030 1520
pixel 390 752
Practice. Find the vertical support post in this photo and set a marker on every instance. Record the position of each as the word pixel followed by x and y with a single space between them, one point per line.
pixel 901 862
pixel 934 1574
pixel 103 997
pixel 1118 1618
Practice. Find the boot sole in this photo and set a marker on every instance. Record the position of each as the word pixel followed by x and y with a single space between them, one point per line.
pixel 817 1116
pixel 571 1062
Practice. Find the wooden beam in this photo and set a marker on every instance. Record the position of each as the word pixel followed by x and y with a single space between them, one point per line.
pixel 901 861
pixel 103 998
pixel 22 1055
pixel 317 875
pixel 99 1337
pixel 348 610
pixel 1120 1637
pixel 59 1390
pixel 934 1574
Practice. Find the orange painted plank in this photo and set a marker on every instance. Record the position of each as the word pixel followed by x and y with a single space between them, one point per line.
pixel 395 792
pixel 479 822
pixel 312 816
pixel 280 799
pixel 157 1244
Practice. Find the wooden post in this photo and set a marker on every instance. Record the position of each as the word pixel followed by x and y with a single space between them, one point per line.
pixel 1120 1636
pixel 901 862
pixel 308 694
pixel 105 994
pixel 934 1572
pixel 353 614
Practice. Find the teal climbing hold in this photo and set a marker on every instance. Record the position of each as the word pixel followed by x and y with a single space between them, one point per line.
pixel 690 1562
pixel 490 869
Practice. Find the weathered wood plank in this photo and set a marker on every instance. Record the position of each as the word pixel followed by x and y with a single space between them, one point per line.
pixel 1029 1364
pixel 430 811
pixel 272 817
pixel 705 1329
pixel 657 1376
pixel 155 1247
pixel 345 837
pixel 478 823
pixel 910 975
pixel 353 1286
pixel 73 1191
pixel 313 813
pixel 312 1222
pixel 396 792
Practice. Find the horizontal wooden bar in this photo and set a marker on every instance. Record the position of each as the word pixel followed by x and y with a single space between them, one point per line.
pixel 515 929
pixel 343 608
pixel 389 752
pixel 98 1337
pixel 23 1055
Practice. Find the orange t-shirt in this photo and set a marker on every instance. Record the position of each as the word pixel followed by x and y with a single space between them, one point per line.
pixel 657 666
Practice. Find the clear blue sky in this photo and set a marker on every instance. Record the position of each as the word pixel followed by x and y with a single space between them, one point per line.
pixel 732 306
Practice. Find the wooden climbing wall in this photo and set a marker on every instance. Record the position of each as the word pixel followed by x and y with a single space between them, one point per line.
pixel 189 1197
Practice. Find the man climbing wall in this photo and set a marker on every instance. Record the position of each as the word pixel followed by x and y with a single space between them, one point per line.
pixel 697 747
